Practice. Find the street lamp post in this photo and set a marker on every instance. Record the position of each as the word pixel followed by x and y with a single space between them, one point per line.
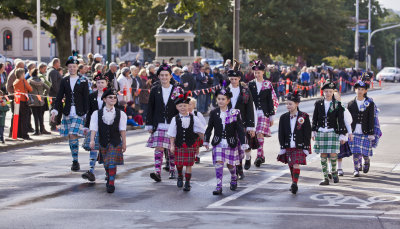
pixel 379 30
pixel 356 43
pixel 369 37
pixel 236 32
pixel 395 51
pixel 38 30
pixel 108 12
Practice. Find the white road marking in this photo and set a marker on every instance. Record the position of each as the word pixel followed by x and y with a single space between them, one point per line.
pixel 396 168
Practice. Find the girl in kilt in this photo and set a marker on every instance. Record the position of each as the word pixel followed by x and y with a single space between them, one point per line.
pixel 95 103
pixel 191 107
pixel 266 104
pixel 294 137
pixel 243 101
pixel 362 109
pixel 184 131
pixel 110 124
pixel 74 90
pixel 228 128
pixel 328 130
pixel 161 110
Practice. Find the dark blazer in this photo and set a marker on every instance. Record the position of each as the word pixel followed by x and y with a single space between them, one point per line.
pixel 262 101
pixel 301 133
pixel 93 106
pixel 366 118
pixel 231 133
pixel 80 95
pixel 158 112
pixel 135 81
pixel 335 118
pixel 245 105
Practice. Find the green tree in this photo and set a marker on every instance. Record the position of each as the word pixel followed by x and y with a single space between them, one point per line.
pixel 339 61
pixel 85 10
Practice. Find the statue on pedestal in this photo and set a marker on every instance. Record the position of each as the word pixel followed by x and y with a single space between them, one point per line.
pixel 169 12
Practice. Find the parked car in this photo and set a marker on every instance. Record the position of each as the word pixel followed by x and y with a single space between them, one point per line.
pixel 212 62
pixel 389 74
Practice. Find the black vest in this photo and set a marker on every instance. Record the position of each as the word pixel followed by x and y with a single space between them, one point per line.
pixel 109 133
pixel 185 135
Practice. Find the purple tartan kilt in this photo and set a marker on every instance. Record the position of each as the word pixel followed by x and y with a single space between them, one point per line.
pixel 293 156
pixel 111 155
pixel 226 155
pixel 263 125
pixel 159 139
pixel 185 156
pixel 345 151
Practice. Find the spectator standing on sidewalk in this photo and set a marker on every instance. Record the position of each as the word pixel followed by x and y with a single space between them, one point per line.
pixel 188 81
pixel 22 86
pixel 3 111
pixel 54 77
pixel 201 83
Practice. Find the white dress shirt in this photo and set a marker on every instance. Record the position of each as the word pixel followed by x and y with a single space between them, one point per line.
pixel 108 118
pixel 198 126
pixel 235 95
pixel 358 129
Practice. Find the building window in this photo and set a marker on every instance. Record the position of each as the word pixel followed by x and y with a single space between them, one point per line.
pixel 28 40
pixel 7 40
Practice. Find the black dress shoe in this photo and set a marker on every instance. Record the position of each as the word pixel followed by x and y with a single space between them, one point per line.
pixel 36 133
pixel 75 166
pixel 217 191
pixel 233 185
pixel 294 188
pixel 258 161
pixel 27 138
pixel 179 182
pixel 366 168
pixel 110 188
pixel 155 176
pixel 89 176
pixel 360 169
pixel 45 132
pixel 247 164
pixel 239 172
pixel 324 182
pixel 172 175
pixel 197 161
pixel 31 130
pixel 187 186
pixel 356 174
pixel 330 176
pixel 335 177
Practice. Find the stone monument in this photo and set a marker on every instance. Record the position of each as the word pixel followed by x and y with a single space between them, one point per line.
pixel 177 43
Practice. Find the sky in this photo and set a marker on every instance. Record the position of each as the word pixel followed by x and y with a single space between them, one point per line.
pixel 390 4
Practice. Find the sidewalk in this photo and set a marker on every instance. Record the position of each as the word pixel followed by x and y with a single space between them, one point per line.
pixel 55 136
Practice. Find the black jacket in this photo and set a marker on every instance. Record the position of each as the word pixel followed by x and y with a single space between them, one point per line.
pixel 366 118
pixel 80 96
pixel 232 131
pixel 93 106
pixel 245 105
pixel 301 134
pixel 335 117
pixel 262 101
pixel 187 77
pixel 158 112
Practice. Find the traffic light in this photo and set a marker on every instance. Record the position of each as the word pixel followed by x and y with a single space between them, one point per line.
pixel 98 40
pixel 362 54
pixel 8 39
pixel 371 49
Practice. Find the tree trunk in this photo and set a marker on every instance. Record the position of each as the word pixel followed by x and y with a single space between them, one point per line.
pixel 62 35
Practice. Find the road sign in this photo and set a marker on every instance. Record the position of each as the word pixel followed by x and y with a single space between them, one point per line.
pixel 361 30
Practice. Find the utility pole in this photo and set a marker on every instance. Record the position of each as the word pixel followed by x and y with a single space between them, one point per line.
pixel 198 34
pixel 108 12
pixel 236 32
pixel 369 36
pixel 356 43
pixel 38 31
pixel 395 52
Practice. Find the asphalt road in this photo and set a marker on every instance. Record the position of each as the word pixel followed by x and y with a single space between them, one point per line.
pixel 38 190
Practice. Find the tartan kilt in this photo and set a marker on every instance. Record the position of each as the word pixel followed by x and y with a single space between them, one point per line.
pixel 72 126
pixel 361 145
pixel 226 154
pixel 293 156
pixel 327 142
pixel 86 142
pixel 111 155
pixel 263 126
pixel 159 139
pixel 345 151
pixel 199 142
pixel 185 156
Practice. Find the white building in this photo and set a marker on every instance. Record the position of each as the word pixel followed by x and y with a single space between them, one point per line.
pixel 23 41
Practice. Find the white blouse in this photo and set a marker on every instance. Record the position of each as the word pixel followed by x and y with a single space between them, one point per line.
pixel 108 118
pixel 198 126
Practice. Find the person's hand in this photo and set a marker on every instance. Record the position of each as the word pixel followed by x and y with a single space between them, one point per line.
pixel 172 148
pixel 91 144
pixel 85 131
pixel 186 84
pixel 271 123
pixel 351 137
pixel 140 111
pixel 342 142
pixel 252 133
pixel 207 147
pixel 150 131
pixel 124 147
pixel 53 117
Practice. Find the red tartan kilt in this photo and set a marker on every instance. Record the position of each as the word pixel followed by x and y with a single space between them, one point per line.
pixel 185 156
pixel 199 142
pixel 293 156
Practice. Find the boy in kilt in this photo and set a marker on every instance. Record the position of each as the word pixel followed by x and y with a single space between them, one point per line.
pixel 242 101
pixel 362 109
pixel 228 128
pixel 266 104
pixel 161 110
pixel 95 103
pixel 74 90
pixel 184 131
pixel 328 130
pixel 191 107
pixel 110 124
pixel 294 137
